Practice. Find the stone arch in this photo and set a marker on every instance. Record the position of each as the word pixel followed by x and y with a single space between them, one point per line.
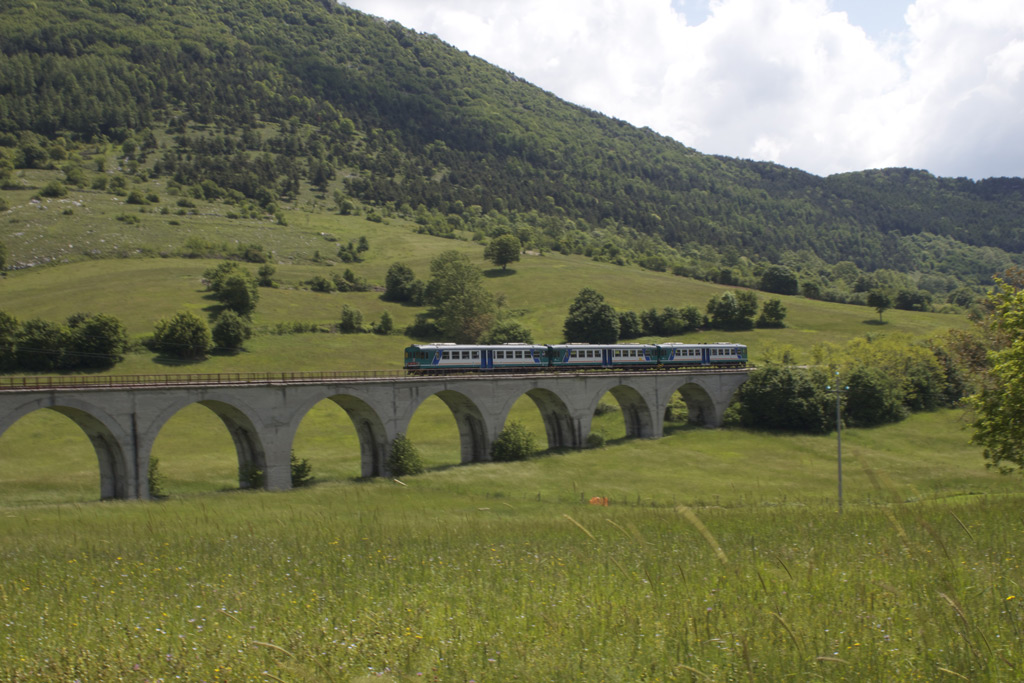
pixel 366 420
pixel 558 421
pixel 636 412
pixel 700 407
pixel 113 454
pixel 474 445
pixel 373 440
pixel 249 448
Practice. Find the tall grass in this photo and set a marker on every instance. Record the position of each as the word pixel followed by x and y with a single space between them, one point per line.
pixel 444 583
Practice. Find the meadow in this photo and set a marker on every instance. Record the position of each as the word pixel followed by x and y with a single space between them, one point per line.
pixel 720 556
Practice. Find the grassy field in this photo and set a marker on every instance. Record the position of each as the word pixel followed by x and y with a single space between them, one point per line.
pixel 720 557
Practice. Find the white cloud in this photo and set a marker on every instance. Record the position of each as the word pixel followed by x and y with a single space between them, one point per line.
pixel 791 81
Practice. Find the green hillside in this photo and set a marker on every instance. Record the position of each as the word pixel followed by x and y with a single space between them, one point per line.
pixel 266 108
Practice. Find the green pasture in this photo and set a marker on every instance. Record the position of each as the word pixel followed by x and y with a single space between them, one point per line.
pixel 720 556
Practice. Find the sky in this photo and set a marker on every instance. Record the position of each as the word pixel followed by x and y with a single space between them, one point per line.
pixel 827 86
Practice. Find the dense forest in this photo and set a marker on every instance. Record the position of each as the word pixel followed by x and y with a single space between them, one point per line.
pixel 284 92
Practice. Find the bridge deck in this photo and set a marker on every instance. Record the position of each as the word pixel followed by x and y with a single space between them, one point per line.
pixel 93 382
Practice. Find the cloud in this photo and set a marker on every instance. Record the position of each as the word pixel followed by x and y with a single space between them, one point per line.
pixel 791 81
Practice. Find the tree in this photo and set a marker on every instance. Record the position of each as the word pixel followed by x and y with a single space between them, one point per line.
pixel 42 345
pixel 462 308
pixel 879 300
pixel 400 284
pixel 999 404
pixel 779 280
pixel 266 275
pixel 508 332
pixel 503 250
pixel 3 257
pixel 404 459
pixel 732 310
pixel 515 442
pixel 773 314
pixel 351 320
pixel 98 341
pixel 8 342
pixel 233 286
pixel 184 335
pixel 385 325
pixel 591 320
pixel 629 325
pixel 239 293
pixel 231 330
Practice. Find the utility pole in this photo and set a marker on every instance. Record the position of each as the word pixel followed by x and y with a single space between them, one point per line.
pixel 839 435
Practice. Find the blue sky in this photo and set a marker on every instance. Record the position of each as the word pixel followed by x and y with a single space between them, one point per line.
pixel 823 85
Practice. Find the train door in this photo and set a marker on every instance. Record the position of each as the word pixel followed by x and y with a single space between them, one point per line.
pixel 705 355
pixel 487 359
pixel 606 358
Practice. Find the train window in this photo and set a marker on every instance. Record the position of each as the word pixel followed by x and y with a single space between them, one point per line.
pixel 444 355
pixel 476 355
pixel 618 353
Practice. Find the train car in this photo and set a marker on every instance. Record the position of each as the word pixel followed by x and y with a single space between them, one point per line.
pixel 724 354
pixel 625 356
pixel 448 357
pixel 678 355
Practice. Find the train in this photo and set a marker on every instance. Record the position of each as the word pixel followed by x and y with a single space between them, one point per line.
pixel 450 357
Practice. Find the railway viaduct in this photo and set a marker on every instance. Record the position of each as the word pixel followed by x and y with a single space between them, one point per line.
pixel 122 416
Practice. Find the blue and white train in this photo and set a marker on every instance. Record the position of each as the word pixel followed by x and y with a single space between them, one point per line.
pixel 447 357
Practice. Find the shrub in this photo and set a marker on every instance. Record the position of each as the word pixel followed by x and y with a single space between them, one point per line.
pixel 318 283
pixel 184 335
pixel 54 188
pixel 873 397
pixel 784 398
pixel 302 472
pixel 231 330
pixel 515 442
pixel 404 459
pixel 155 479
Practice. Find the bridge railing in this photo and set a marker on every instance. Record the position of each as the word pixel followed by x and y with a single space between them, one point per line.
pixel 38 382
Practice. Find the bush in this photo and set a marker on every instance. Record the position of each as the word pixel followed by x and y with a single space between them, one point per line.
pixel 318 283
pixel 404 459
pixel 231 330
pixel 302 472
pixel 184 335
pixel 54 188
pixel 784 398
pixel 155 479
pixel 873 397
pixel 515 442
pixel 98 341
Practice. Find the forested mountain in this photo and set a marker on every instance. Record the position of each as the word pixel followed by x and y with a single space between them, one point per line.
pixel 417 126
